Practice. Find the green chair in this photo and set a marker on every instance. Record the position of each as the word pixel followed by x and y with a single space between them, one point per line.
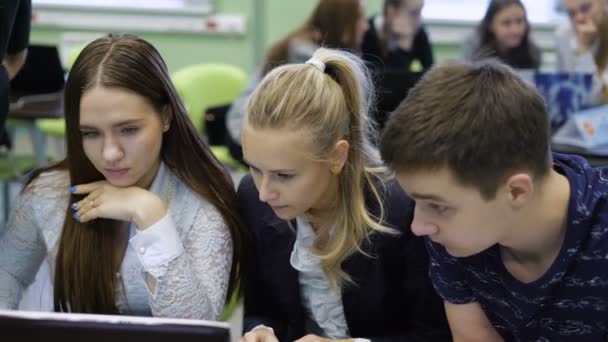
pixel 12 169
pixel 204 86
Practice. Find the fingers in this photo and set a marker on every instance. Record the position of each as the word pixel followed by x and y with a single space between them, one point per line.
pixel 309 338
pixel 270 338
pixel 259 335
pixel 82 189
pixel 250 337
pixel 87 208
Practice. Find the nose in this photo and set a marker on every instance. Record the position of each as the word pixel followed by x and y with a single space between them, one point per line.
pixel 421 226
pixel 580 17
pixel 364 25
pixel 266 192
pixel 112 151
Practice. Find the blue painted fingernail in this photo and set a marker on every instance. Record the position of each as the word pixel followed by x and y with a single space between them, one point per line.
pixel 72 189
pixel 76 217
pixel 73 206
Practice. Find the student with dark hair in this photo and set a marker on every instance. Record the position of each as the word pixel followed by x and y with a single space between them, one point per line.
pixel 15 19
pixel 337 24
pixel 517 236
pixel 333 254
pixel 582 44
pixel 503 33
pixel 140 218
pixel 396 39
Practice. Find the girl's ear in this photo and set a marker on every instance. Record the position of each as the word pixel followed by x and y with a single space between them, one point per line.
pixel 339 156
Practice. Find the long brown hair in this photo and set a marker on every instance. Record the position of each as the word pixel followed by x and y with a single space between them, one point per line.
pixel 525 56
pixel 333 24
pixel 87 260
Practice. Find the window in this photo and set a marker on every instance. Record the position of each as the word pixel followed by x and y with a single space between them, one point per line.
pixel 539 11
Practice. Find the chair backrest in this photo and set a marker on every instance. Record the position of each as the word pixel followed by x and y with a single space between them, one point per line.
pixel 203 86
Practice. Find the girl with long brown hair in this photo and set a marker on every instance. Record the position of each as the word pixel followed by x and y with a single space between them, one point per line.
pixel 503 33
pixel 139 218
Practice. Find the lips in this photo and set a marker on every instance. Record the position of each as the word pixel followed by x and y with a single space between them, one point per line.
pixel 117 171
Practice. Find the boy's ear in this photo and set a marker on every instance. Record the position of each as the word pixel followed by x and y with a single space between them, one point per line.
pixel 519 189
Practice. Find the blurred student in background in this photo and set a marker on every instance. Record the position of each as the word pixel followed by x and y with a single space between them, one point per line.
pixel 503 33
pixel 338 24
pixel 140 218
pixel 396 39
pixel 334 257
pixel 582 44
pixel 15 19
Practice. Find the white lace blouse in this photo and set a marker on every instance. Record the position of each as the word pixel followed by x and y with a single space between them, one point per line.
pixel 188 252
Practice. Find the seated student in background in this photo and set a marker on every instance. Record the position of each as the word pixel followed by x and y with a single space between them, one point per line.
pixel 503 33
pixel 15 24
pixel 338 24
pixel 396 39
pixel 517 236
pixel 582 45
pixel 139 219
pixel 334 256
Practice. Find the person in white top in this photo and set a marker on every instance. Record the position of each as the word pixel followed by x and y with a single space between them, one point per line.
pixel 139 218
pixel 582 44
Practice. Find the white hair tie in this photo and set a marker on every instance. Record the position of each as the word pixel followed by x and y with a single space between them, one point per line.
pixel 317 63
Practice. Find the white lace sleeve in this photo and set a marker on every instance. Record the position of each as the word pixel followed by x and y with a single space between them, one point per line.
pixel 193 285
pixel 22 250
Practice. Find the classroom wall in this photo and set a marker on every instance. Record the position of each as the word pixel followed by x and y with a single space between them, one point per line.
pixel 276 18
pixel 181 49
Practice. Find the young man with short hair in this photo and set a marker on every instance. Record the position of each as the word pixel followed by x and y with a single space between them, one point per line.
pixel 518 237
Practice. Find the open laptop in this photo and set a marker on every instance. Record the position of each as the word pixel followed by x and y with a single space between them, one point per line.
pixel 392 87
pixel 52 327
pixel 564 94
pixel 42 73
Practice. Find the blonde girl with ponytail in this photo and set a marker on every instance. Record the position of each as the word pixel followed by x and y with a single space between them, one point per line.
pixel 333 255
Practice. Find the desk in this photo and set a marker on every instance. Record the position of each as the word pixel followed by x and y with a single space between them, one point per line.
pixel 594 160
pixel 30 108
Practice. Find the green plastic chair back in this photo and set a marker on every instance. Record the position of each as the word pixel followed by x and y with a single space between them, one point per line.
pixel 52 127
pixel 203 86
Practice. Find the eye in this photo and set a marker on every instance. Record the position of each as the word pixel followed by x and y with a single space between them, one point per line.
pixel 129 130
pixel 253 170
pixel 284 177
pixel 439 209
pixel 89 133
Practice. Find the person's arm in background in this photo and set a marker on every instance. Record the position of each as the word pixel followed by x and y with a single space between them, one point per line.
pixel 15 21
